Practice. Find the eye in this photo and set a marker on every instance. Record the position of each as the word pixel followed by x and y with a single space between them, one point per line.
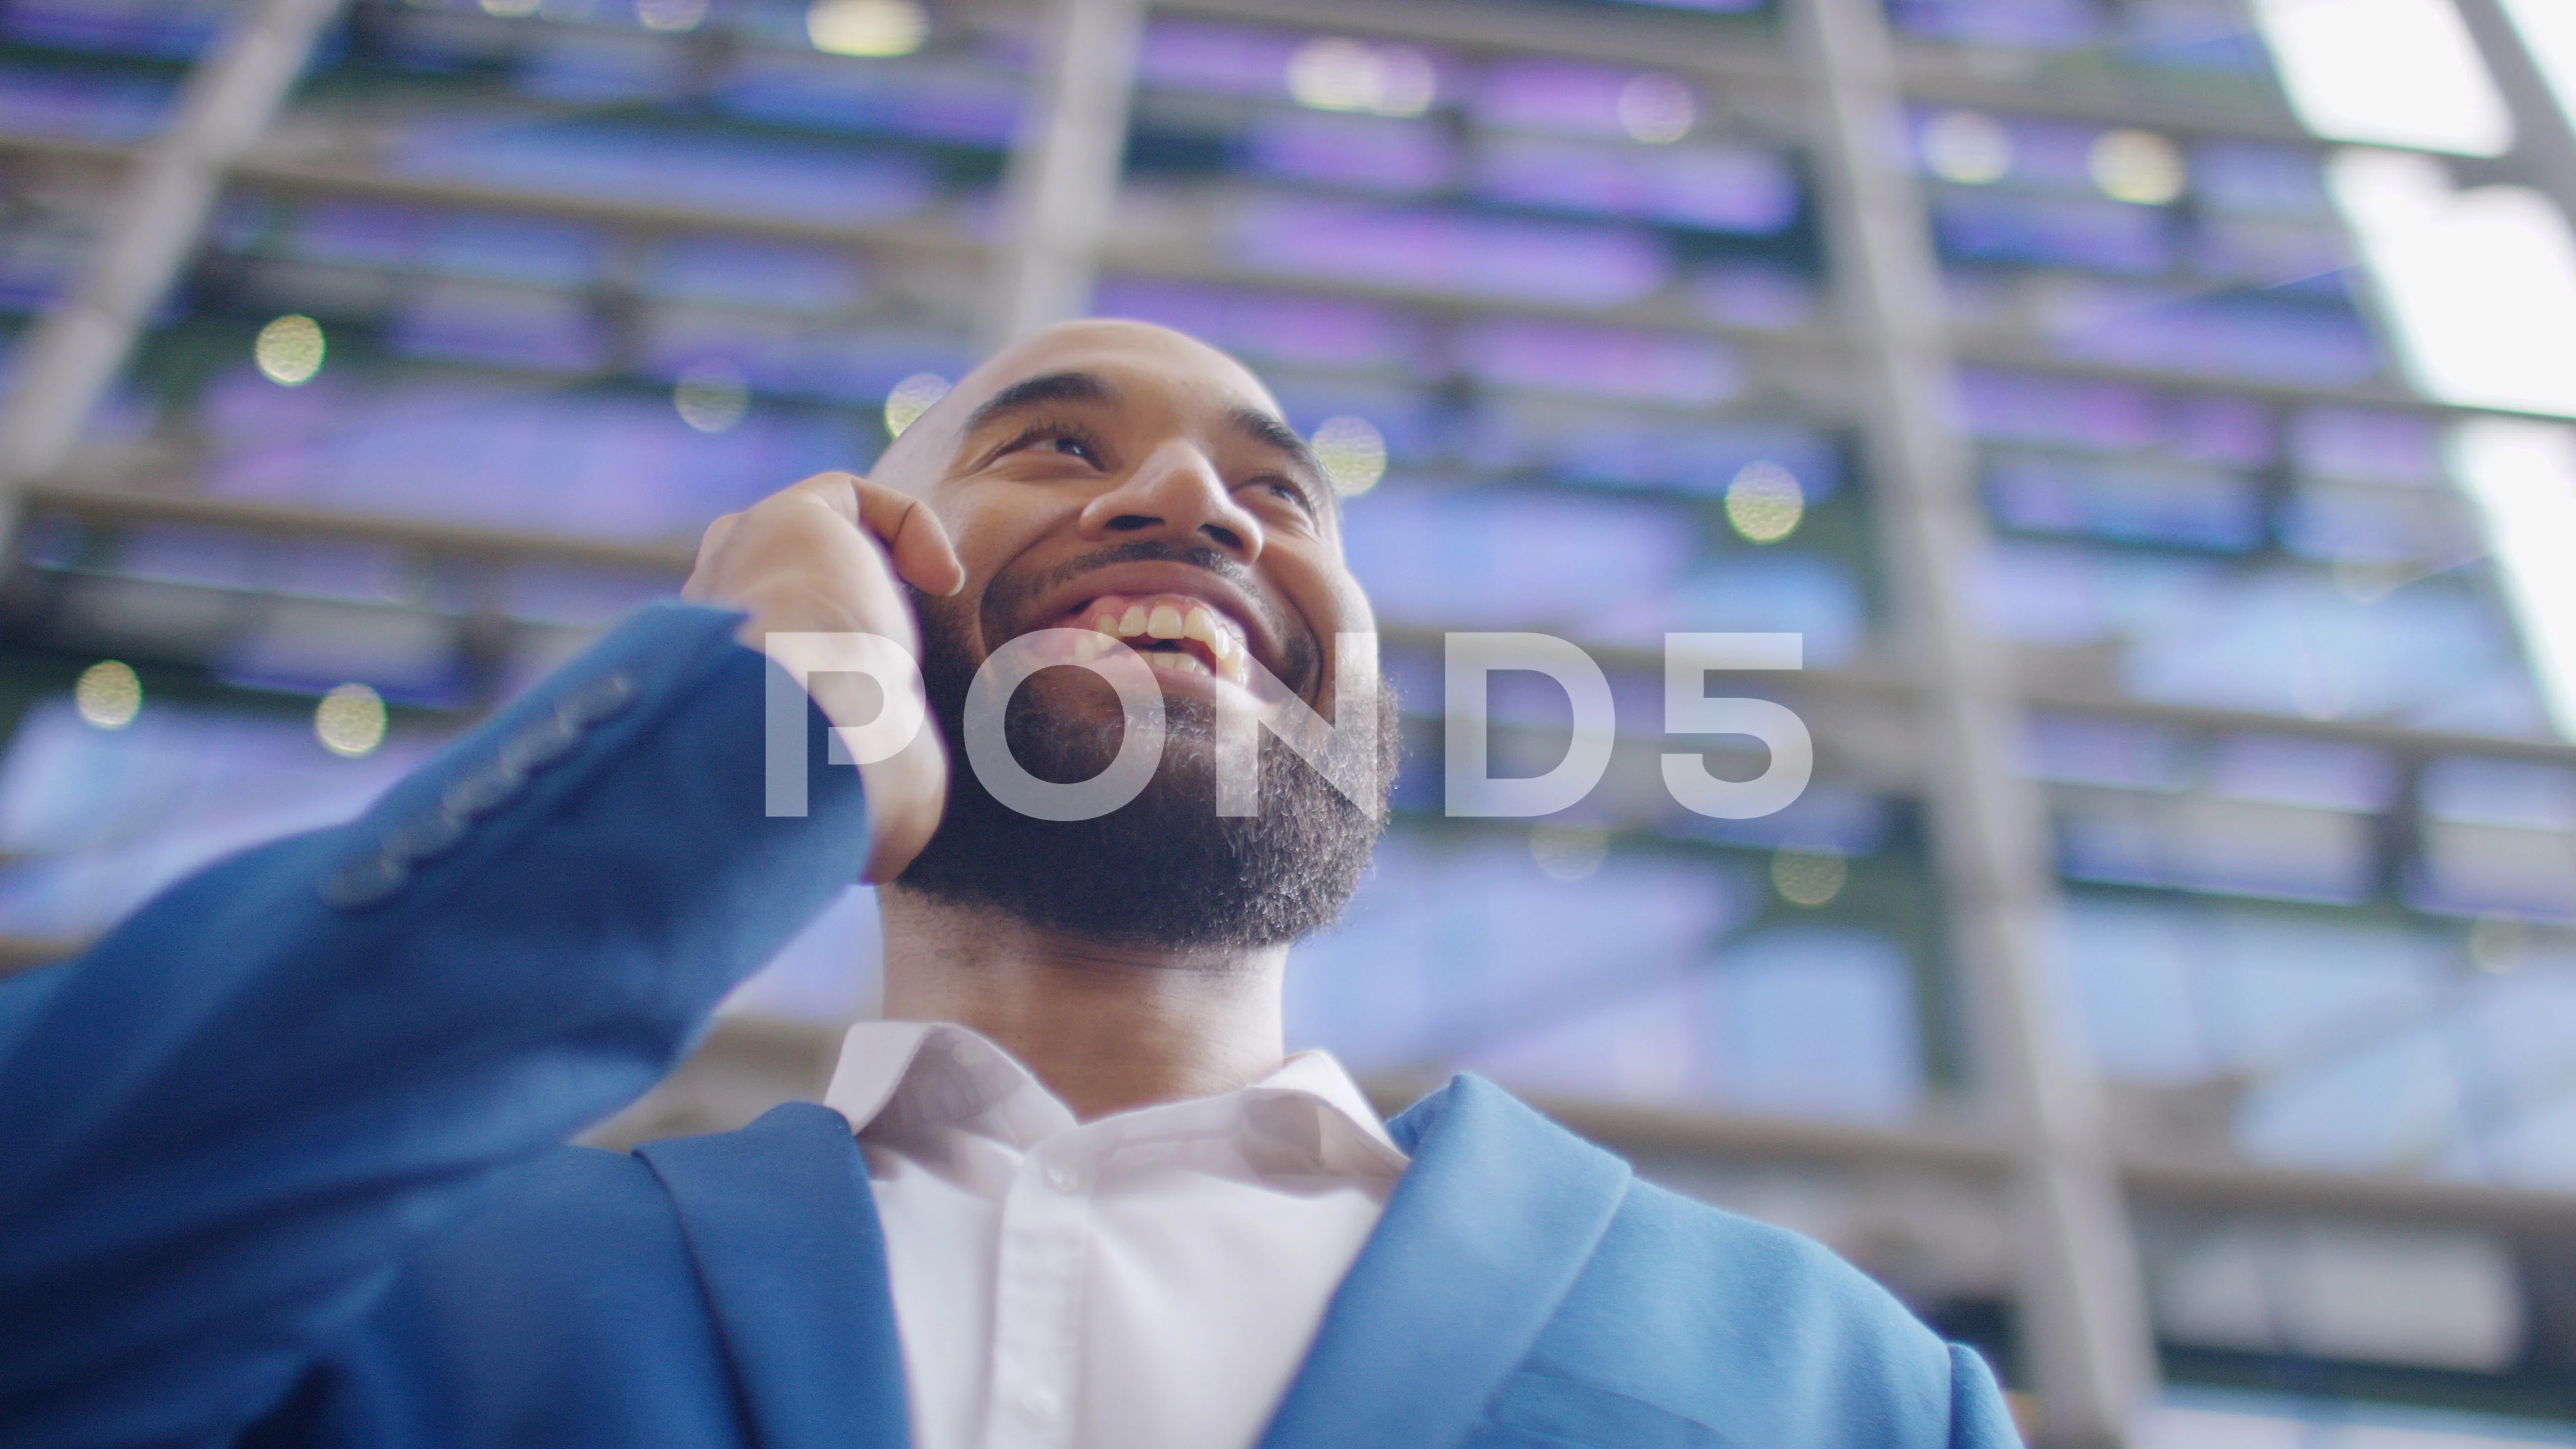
pixel 1285 491
pixel 1062 439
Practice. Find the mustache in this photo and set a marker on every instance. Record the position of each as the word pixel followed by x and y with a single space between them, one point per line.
pixel 1004 601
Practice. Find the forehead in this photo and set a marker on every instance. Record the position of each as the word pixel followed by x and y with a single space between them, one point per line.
pixel 1150 368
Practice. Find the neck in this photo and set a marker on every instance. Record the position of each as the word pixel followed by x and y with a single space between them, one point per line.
pixel 1106 1026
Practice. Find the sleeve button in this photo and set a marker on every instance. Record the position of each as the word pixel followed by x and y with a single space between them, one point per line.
pixel 424 836
pixel 539 745
pixel 482 790
pixel 597 699
pixel 366 881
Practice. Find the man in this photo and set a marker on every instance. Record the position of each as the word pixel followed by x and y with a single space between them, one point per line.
pixel 283 1162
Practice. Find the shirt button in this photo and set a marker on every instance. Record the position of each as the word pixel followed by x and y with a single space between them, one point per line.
pixel 1064 1177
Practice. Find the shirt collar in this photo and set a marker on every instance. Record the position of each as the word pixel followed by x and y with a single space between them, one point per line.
pixel 917 1074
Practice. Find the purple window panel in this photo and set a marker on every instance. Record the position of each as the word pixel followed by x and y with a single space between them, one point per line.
pixel 765 176
pixel 933 101
pixel 1535 93
pixel 1607 361
pixel 2037 408
pixel 592 66
pixel 1638 453
pixel 158 29
pixel 360 233
pixel 88 107
pixel 2266 338
pixel 1766 592
pixel 754 273
pixel 1451 944
pixel 2329 774
pixel 2366 444
pixel 783 354
pixel 2102 236
pixel 1288 326
pixel 1499 559
pixel 1189 55
pixel 2139 503
pixel 2499 792
pixel 1754 294
pixel 1807 1021
pixel 2259 179
pixel 1453 252
pixel 1713 188
pixel 2017 24
pixel 2084 750
pixel 507 327
pixel 1366 152
pixel 2335 521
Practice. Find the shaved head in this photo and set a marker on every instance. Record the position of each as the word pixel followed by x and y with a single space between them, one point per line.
pixel 914 459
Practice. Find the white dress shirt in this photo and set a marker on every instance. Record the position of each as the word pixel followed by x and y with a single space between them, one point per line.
pixel 1150 1280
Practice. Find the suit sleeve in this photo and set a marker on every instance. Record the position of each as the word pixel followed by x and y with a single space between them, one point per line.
pixel 1978 1416
pixel 228 1122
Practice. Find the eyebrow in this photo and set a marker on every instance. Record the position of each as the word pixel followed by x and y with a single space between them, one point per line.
pixel 1046 387
pixel 1270 432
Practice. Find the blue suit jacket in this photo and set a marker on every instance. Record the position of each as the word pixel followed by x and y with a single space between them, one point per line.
pixel 282 1160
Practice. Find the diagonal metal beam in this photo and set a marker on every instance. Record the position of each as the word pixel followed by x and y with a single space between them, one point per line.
pixel 1064 169
pixel 2083 1327
pixel 79 346
pixel 2544 136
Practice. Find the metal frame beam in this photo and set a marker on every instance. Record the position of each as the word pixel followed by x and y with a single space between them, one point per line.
pixel 80 345
pixel 2544 144
pixel 2089 1348
pixel 1063 180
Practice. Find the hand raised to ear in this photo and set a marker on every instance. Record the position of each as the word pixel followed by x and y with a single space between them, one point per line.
pixel 824 556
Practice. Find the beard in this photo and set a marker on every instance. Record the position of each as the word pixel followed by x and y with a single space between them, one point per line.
pixel 1164 869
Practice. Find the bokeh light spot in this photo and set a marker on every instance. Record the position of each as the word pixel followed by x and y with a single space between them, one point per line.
pixel 289 350
pixel 1968 147
pixel 910 399
pixel 108 694
pixel 1569 852
pixel 350 720
pixel 1808 877
pixel 2497 943
pixel 866 27
pixel 1353 454
pixel 1656 108
pixel 711 396
pixel 673 15
pixel 2138 166
pixel 1336 74
pixel 1764 502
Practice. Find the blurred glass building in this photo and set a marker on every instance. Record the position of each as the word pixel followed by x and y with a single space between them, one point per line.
pixel 2144 410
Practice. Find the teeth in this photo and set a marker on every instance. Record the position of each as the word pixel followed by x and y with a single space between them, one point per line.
pixel 1177 662
pixel 1134 623
pixel 1164 622
pixel 1106 624
pixel 1199 624
pixel 1090 647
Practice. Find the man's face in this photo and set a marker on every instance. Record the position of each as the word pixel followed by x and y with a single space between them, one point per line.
pixel 1126 479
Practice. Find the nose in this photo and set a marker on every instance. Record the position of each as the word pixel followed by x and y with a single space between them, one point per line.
pixel 1176 494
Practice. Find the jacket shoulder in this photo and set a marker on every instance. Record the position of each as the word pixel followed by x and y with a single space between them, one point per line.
pixel 1715 1319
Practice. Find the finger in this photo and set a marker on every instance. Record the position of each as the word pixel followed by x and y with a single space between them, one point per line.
pixel 708 544
pixel 907 792
pixel 913 536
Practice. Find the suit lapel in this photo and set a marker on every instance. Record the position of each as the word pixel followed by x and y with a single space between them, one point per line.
pixel 784 1231
pixel 1482 1238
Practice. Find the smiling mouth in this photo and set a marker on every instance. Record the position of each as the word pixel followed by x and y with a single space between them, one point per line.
pixel 1176 634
